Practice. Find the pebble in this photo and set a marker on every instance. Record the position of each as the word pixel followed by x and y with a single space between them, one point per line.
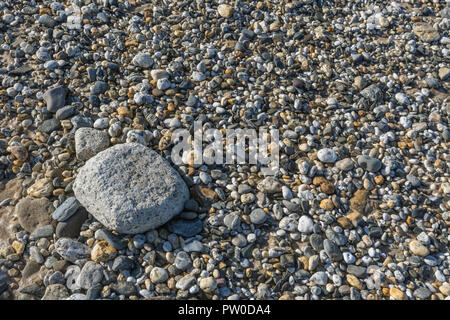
pixel 418 249
pixel 158 275
pixel 305 224
pixel 225 10
pixel 143 60
pixel 185 228
pixel 208 284
pixel 90 275
pixel 182 261
pixel 332 250
pixel 258 216
pixel 369 163
pixel 185 282
pixel 89 142
pixel 66 209
pixel 55 98
pixel 327 155
pixel 71 250
pixel 102 252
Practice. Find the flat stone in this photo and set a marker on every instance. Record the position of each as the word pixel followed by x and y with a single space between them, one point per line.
pixel 185 228
pixel 39 232
pixel 129 188
pixel 66 209
pixel 33 213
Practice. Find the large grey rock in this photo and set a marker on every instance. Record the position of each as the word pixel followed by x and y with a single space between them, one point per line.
pixel 89 142
pixel 55 98
pixel 129 188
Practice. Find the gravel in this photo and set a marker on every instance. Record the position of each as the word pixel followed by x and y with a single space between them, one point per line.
pixel 93 204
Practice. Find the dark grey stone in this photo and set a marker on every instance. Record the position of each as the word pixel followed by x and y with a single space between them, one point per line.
pixel 65 112
pixel 99 87
pixel 332 250
pixel 185 228
pixel 122 263
pixel 369 163
pixel 66 209
pixel 113 240
pixel 50 125
pixel 71 227
pixel 55 98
